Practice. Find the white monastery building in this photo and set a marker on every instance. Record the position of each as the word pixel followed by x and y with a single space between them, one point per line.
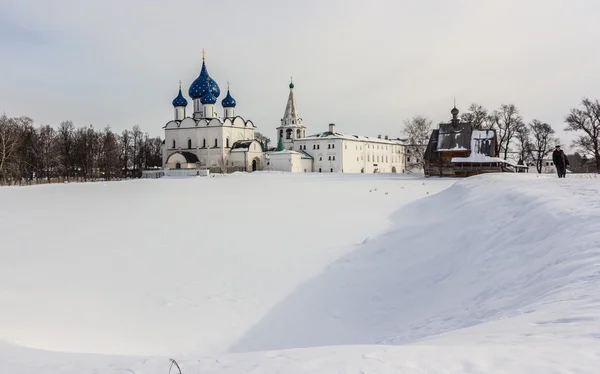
pixel 226 143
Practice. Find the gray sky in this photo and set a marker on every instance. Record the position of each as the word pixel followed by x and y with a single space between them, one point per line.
pixel 364 65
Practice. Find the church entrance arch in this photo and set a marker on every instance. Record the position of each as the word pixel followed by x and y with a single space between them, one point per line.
pixel 255 164
pixel 393 169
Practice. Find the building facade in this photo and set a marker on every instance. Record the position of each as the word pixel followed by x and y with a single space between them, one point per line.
pixel 332 151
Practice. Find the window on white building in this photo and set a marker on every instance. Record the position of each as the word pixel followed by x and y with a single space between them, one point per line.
pixel 216 143
pixel 204 143
pixel 333 146
pixel 320 158
pixel 174 143
pixel 329 158
pixel 332 170
pixel 319 170
pixel 318 146
pixel 227 143
pixel 333 158
pixel 368 158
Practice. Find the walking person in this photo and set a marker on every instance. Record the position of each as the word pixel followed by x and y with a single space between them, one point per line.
pixel 560 161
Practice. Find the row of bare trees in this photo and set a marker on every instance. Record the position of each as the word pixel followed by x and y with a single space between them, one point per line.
pixel 531 142
pixel 31 154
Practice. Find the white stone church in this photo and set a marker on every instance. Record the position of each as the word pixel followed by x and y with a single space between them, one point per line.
pixel 226 143
pixel 206 140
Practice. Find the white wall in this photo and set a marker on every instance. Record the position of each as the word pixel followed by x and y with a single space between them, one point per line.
pixel 306 165
pixel 353 156
pixel 203 133
pixel 289 161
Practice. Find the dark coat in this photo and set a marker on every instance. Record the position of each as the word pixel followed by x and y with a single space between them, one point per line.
pixel 559 158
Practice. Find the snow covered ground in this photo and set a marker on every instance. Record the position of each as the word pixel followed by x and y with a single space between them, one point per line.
pixel 282 273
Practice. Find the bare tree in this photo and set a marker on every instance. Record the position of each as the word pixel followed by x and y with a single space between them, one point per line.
pixel 478 116
pixel 109 161
pixel 506 121
pixel 126 151
pixel 136 140
pixel 542 139
pixel 30 154
pixel 586 120
pixel 264 140
pixel 417 130
pixel 9 140
pixel 524 147
pixel 49 152
pixel 66 143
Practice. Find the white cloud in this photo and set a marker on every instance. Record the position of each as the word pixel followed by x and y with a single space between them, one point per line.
pixel 363 65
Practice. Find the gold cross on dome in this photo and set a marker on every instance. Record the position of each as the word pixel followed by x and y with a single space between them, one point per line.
pixel 227 85
pixel 203 54
pixel 180 84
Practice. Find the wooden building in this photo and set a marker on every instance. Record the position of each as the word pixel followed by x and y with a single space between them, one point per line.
pixel 456 149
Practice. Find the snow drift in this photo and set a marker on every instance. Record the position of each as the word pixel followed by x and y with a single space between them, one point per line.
pixel 517 254
pixel 496 274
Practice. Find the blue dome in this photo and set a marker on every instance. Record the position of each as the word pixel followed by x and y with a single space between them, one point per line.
pixel 203 84
pixel 228 101
pixel 180 100
pixel 208 98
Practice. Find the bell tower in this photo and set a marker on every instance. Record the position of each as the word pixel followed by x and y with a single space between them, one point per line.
pixel 292 126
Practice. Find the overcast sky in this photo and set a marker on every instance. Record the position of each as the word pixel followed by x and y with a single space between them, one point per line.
pixel 364 65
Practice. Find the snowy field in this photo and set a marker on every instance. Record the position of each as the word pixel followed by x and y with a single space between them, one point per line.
pixel 282 273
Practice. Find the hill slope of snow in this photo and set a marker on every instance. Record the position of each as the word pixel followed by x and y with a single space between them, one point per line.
pixel 496 274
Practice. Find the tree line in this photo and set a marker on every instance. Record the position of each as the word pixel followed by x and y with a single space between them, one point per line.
pixel 43 154
pixel 531 142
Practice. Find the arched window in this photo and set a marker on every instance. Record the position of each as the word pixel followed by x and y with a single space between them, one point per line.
pixel 281 133
pixel 319 170
pixel 332 170
pixel 189 143
pixel 216 143
pixel 173 143
pixel 227 143
pixel 204 143
pixel 298 134
pixel 288 134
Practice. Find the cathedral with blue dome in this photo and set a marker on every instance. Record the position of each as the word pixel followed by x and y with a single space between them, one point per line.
pixel 204 139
